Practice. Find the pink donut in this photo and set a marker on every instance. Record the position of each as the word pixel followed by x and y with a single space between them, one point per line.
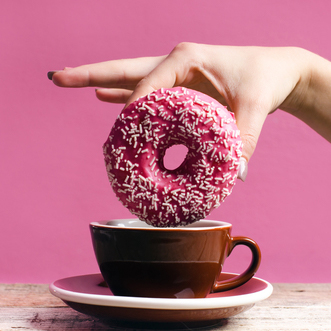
pixel 137 144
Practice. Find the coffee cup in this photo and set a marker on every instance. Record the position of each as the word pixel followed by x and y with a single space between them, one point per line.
pixel 139 260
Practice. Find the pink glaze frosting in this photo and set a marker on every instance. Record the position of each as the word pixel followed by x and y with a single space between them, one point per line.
pixel 138 141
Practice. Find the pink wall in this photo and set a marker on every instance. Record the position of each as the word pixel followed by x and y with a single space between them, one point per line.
pixel 52 177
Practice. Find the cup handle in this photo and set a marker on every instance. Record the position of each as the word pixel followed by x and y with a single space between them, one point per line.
pixel 248 273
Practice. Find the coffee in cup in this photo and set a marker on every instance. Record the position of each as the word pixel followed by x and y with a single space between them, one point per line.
pixel 140 260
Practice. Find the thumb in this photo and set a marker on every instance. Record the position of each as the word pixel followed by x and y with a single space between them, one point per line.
pixel 250 123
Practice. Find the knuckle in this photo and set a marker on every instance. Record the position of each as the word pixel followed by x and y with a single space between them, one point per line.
pixel 185 47
pixel 188 55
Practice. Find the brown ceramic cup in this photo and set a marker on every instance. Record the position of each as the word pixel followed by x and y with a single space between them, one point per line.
pixel 139 260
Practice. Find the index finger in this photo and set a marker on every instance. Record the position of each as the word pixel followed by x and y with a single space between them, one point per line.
pixel 124 73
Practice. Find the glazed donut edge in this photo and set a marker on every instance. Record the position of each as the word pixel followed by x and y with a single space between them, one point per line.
pixel 137 143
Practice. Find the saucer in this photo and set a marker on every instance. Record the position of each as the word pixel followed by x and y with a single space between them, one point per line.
pixel 88 295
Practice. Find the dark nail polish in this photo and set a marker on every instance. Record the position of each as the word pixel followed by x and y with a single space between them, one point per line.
pixel 50 74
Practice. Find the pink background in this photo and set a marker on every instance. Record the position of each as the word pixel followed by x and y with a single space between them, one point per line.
pixel 52 178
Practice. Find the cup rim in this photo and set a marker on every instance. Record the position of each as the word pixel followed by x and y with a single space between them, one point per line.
pixel 136 224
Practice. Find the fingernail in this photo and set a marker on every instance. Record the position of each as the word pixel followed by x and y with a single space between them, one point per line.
pixel 50 74
pixel 243 169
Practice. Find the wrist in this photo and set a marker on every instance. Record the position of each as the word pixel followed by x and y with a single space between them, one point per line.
pixel 299 98
pixel 310 100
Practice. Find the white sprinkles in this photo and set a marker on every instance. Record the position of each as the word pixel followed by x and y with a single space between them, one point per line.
pixel 137 143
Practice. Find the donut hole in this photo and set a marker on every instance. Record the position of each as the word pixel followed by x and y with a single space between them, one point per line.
pixel 174 156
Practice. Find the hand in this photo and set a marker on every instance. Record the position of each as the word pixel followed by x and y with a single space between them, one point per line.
pixel 251 81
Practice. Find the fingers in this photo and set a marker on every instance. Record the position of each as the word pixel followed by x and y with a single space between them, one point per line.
pixel 69 77
pixel 178 68
pixel 113 95
pixel 111 74
pixel 250 120
pixel 162 76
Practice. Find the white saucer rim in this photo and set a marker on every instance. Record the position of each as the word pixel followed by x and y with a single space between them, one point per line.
pixel 162 303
